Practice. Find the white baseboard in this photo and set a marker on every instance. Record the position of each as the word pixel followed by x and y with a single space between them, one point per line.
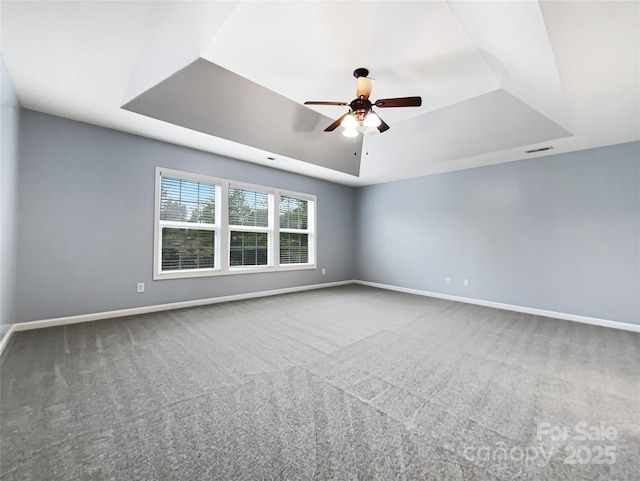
pixel 7 336
pixel 510 307
pixel 61 321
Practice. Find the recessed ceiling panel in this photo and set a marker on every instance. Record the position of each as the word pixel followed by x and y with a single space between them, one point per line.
pixel 489 123
pixel 210 99
pixel 515 74
pixel 309 50
pixel 174 35
pixel 513 40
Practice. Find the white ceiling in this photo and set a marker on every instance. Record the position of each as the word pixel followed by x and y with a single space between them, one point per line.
pixel 496 78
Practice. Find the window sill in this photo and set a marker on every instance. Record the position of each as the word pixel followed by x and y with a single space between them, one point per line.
pixel 187 274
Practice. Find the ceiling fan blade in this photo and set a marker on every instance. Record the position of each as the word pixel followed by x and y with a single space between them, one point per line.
pixel 334 125
pixel 400 102
pixel 365 84
pixel 318 102
pixel 383 127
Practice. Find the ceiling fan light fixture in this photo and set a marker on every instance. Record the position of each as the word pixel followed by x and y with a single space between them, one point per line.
pixel 349 122
pixel 350 132
pixel 371 120
pixel 360 117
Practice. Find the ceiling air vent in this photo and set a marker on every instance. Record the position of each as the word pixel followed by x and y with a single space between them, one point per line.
pixel 541 149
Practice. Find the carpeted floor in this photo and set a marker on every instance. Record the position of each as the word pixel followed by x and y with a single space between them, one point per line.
pixel 349 383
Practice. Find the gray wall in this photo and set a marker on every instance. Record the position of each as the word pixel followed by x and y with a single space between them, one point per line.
pixel 86 203
pixel 9 124
pixel 560 233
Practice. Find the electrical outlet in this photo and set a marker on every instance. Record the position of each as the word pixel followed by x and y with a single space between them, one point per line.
pixel 447 280
pixel 465 283
pixel 324 271
pixel 140 287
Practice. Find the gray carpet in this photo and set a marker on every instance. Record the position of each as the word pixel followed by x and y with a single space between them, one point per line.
pixel 349 383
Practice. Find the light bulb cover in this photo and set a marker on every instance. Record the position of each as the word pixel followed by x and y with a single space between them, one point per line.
pixel 371 120
pixel 349 122
pixel 350 132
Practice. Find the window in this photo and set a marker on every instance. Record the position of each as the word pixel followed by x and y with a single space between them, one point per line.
pixel 294 230
pixel 188 224
pixel 207 226
pixel 249 226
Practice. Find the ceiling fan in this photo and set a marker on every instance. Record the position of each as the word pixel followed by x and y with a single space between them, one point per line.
pixel 361 114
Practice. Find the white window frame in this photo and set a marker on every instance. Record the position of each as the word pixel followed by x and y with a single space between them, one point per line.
pixel 223 229
pixel 270 230
pixel 160 224
pixel 310 230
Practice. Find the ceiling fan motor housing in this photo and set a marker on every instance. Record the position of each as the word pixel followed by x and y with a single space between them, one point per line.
pixel 360 107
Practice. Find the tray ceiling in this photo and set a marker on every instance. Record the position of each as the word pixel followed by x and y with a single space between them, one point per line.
pixel 496 78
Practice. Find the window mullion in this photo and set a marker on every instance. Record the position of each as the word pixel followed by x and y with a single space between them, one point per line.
pixel 276 229
pixel 224 227
pixel 249 228
pixel 271 259
pixel 187 225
